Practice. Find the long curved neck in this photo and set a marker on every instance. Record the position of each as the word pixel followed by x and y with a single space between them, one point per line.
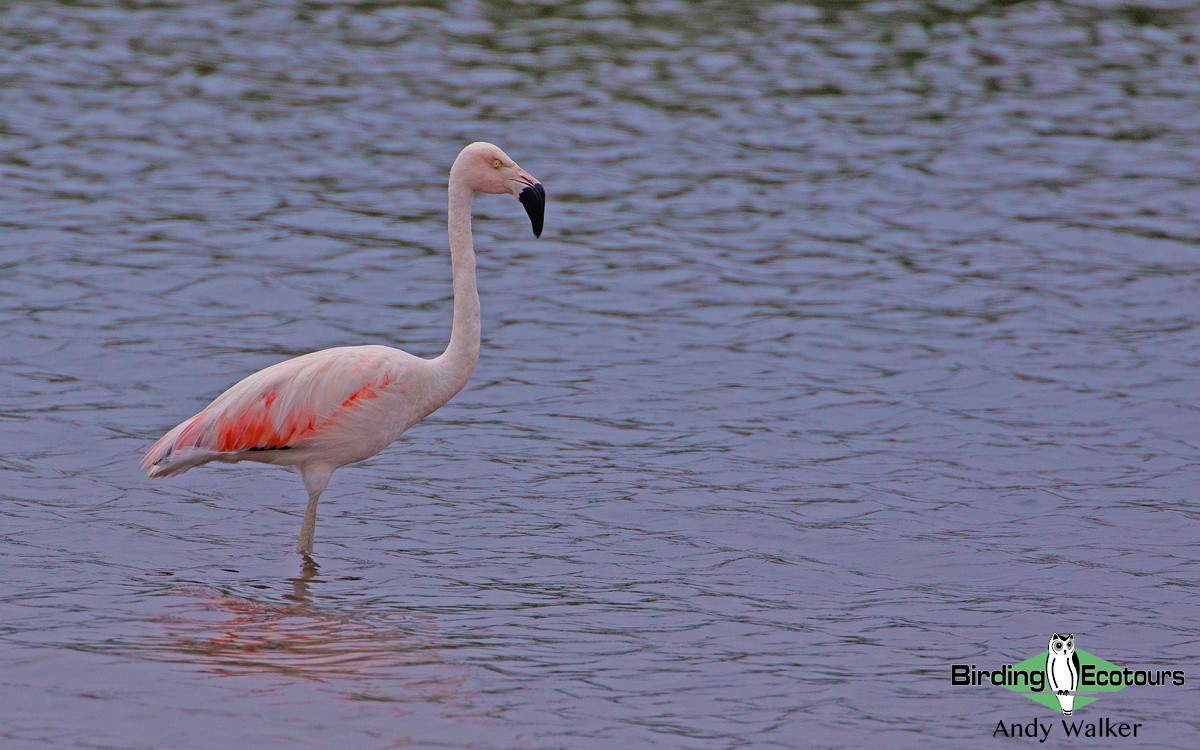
pixel 463 352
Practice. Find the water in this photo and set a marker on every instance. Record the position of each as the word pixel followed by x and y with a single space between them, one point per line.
pixel 862 341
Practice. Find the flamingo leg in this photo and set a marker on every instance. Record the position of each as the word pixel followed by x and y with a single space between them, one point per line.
pixel 304 545
pixel 316 479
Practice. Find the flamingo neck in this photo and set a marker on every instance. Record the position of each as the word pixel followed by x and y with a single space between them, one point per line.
pixel 463 352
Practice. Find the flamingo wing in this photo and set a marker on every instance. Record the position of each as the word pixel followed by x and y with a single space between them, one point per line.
pixel 280 407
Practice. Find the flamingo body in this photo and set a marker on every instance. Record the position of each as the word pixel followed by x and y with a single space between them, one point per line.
pixel 335 406
pixel 324 410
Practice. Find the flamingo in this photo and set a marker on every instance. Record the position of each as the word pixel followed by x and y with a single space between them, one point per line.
pixel 321 411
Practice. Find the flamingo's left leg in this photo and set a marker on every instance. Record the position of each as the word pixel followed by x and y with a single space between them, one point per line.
pixel 316 479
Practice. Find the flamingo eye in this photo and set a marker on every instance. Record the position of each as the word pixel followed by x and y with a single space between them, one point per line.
pixel 496 163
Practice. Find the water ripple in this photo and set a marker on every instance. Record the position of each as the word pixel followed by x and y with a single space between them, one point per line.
pixel 860 342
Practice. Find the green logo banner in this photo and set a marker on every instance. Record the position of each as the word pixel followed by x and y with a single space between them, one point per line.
pixel 1090 668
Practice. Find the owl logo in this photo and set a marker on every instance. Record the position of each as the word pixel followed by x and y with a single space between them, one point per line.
pixel 1062 670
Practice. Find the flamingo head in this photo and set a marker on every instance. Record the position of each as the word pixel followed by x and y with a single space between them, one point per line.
pixel 487 169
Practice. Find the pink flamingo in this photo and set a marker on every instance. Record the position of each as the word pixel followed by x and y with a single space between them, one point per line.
pixel 321 411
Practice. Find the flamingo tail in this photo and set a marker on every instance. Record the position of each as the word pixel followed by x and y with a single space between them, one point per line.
pixel 171 455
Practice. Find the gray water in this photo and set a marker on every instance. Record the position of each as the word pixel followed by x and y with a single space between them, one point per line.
pixel 861 341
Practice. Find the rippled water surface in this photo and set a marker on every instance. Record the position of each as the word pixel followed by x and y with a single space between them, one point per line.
pixel 862 340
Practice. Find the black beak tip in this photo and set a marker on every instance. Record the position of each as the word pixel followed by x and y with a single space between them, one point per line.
pixel 533 198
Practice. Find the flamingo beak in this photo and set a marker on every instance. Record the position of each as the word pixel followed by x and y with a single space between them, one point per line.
pixel 533 198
